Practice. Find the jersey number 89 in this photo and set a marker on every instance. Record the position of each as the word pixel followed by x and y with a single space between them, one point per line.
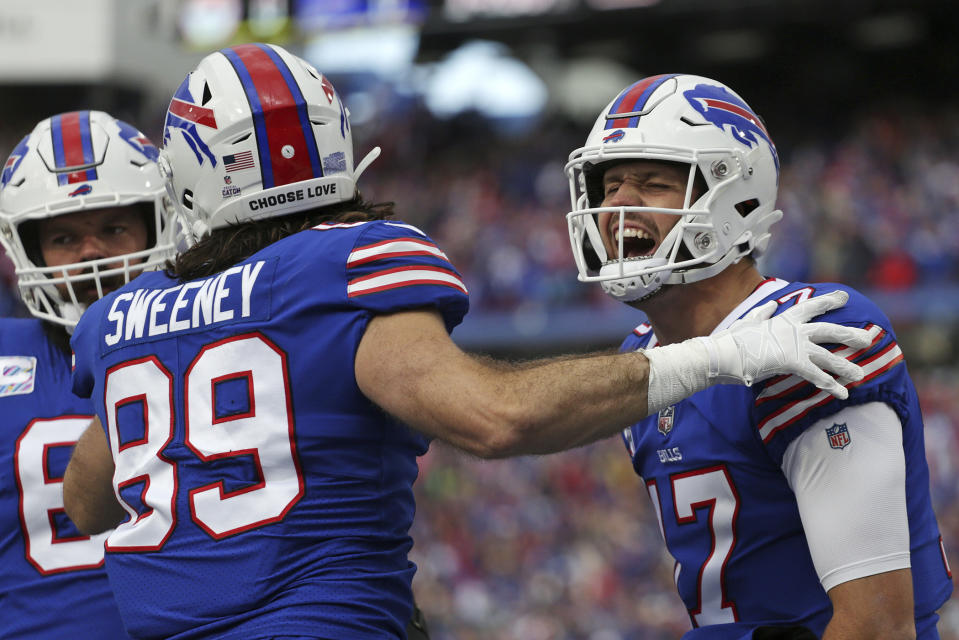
pixel 264 432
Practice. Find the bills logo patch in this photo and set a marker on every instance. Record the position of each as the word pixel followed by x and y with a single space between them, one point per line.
pixel 615 136
pixel 17 375
pixel 664 424
pixel 82 190
pixel 838 436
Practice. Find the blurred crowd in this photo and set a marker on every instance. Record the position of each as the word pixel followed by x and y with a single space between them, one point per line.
pixel 566 547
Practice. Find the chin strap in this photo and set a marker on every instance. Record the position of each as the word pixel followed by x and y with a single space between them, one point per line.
pixel 365 162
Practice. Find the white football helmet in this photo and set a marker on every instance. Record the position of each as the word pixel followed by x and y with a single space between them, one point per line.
pixel 691 120
pixel 73 162
pixel 255 132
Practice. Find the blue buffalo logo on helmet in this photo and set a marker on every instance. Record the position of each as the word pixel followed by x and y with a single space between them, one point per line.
pixel 82 190
pixel 13 161
pixel 723 109
pixel 615 136
pixel 184 114
pixel 137 140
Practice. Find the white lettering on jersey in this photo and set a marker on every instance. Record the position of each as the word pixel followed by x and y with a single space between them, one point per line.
pixel 672 454
pixel 209 302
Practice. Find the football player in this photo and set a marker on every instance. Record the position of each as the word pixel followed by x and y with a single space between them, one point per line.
pixel 81 212
pixel 787 510
pixel 262 405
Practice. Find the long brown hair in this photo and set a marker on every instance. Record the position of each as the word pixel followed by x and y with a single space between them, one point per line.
pixel 227 246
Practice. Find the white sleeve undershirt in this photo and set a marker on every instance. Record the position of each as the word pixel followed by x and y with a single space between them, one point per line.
pixel 852 500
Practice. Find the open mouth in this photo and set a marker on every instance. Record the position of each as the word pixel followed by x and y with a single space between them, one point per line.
pixel 637 243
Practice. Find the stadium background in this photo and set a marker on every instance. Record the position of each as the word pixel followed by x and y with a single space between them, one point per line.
pixel 476 104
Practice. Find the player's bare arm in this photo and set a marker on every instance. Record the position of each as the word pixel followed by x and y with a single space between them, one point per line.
pixel 878 607
pixel 87 484
pixel 408 365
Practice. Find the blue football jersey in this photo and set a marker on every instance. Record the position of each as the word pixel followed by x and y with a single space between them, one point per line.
pixel 712 467
pixel 52 582
pixel 267 495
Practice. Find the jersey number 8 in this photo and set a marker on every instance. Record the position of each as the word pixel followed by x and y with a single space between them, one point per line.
pixel 41 499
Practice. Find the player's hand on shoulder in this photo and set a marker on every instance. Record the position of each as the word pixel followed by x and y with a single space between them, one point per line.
pixel 760 346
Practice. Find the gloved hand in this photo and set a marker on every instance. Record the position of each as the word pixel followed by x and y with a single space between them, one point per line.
pixel 757 347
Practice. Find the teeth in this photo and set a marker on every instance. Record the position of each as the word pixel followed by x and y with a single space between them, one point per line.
pixel 631 232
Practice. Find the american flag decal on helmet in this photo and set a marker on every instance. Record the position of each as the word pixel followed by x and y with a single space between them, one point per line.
pixel 73 147
pixel 239 161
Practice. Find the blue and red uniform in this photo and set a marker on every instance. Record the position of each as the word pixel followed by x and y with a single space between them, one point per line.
pixel 712 465
pixel 267 495
pixel 52 582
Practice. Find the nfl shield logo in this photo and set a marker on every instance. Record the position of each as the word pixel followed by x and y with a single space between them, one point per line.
pixel 838 436
pixel 665 422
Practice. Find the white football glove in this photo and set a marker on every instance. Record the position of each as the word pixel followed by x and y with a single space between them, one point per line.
pixel 757 347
